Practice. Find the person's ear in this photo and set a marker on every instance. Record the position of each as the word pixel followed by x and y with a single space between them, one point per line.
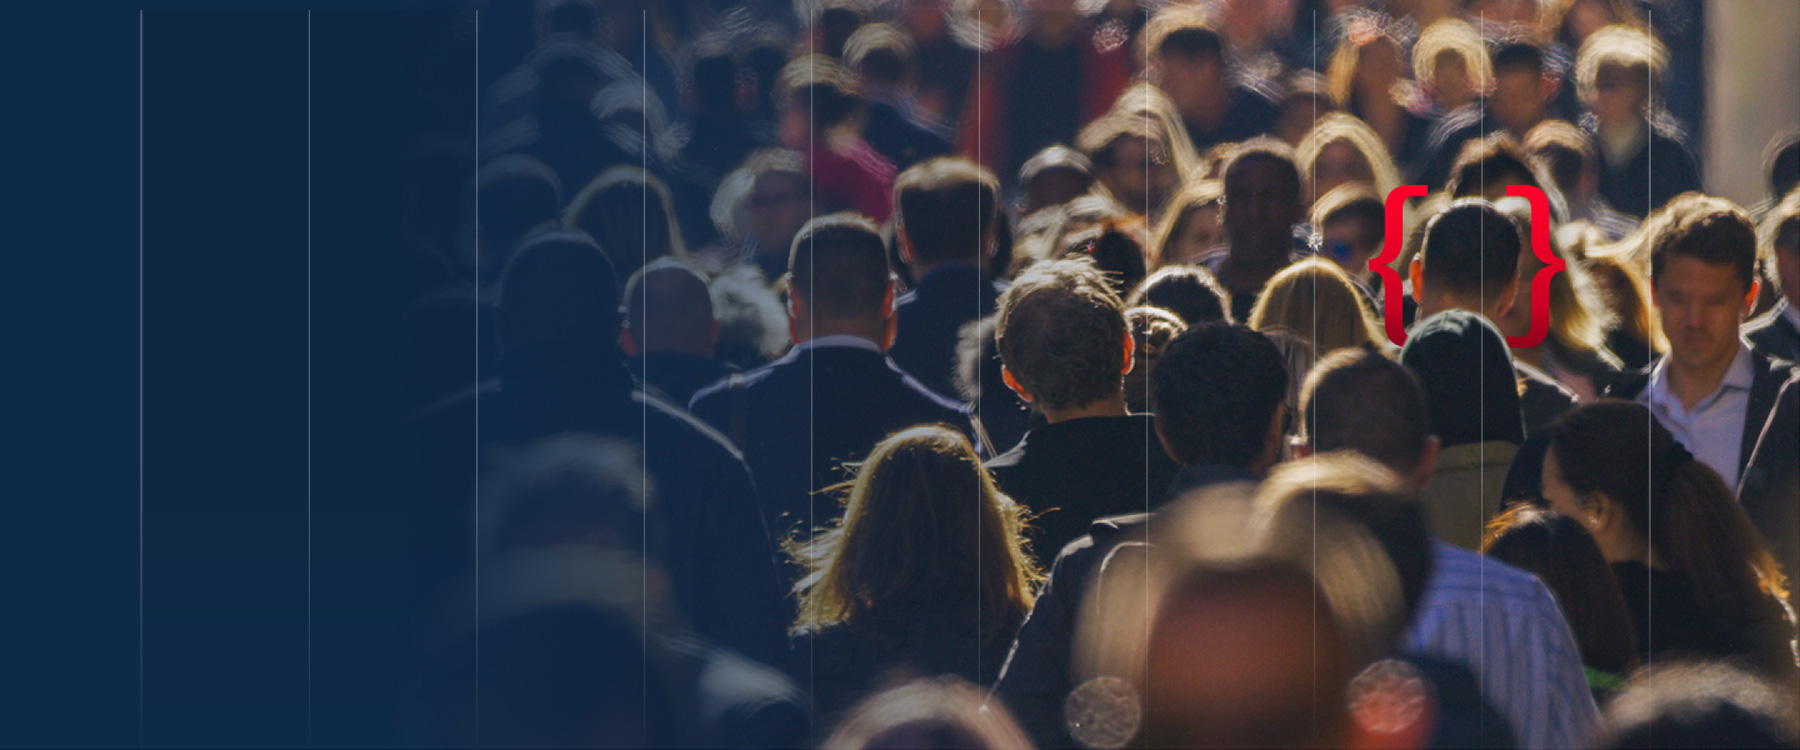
pixel 1750 298
pixel 1508 295
pixel 1599 513
pixel 1011 382
pixel 1130 353
pixel 1428 455
pixel 627 342
pixel 1415 272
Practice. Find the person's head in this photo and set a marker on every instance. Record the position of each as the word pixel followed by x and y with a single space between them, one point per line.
pixel 814 94
pixel 1146 101
pixel 946 210
pixel 1487 166
pixel 1368 64
pixel 1573 21
pixel 631 214
pixel 1305 99
pixel 1117 250
pixel 1700 704
pixel 1190 292
pixel 1317 302
pixel 712 70
pixel 1190 224
pixel 765 201
pixel 1131 159
pixel 1781 161
pixel 1468 376
pixel 1054 176
pixel 1451 62
pixel 838 280
pixel 1559 551
pixel 942 713
pixel 1579 316
pixel 882 56
pixel 669 308
pixel 559 292
pixel 1352 224
pixel 1217 394
pixel 1186 58
pixel 836 22
pixel 517 193
pixel 1062 337
pixel 1469 260
pixel 920 515
pixel 1152 328
pixel 1564 153
pixel 1782 236
pixel 1523 86
pixel 1341 149
pixel 1262 201
pixel 1359 400
pixel 1643 497
pixel 1703 278
pixel 1616 71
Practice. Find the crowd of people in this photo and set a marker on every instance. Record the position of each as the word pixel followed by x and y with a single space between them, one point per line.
pixel 977 373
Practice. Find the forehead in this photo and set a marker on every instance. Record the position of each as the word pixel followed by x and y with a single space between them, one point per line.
pixel 1689 274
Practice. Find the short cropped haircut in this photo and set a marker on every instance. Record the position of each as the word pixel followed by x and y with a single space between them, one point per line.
pixel 1359 400
pixel 822 85
pixel 1484 160
pixel 1192 293
pixel 839 265
pixel 1061 333
pixel 1262 147
pixel 1182 30
pixel 1624 46
pixel 1711 230
pixel 1214 393
pixel 947 206
pixel 1519 52
pixel 1471 247
pixel 1561 150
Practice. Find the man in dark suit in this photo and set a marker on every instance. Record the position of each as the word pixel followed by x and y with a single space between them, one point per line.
pixel 1770 489
pixel 1777 332
pixel 836 394
pixel 560 372
pixel 1714 390
pixel 670 331
pixel 1217 395
pixel 946 212
pixel 1063 340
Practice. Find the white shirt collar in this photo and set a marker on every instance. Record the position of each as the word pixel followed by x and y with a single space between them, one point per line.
pixel 1741 375
pixel 838 340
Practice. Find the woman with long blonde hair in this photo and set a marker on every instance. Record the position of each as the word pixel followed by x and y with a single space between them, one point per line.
pixel 1318 303
pixel 927 573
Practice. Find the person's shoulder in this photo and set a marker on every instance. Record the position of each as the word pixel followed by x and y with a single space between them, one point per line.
pixel 1466 572
pixel 1458 125
pixel 926 397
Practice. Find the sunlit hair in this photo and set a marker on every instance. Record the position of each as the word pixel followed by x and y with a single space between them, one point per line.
pixel 1317 302
pixel 880 53
pixel 731 202
pixel 1625 46
pixel 1181 208
pixel 1555 15
pixel 1338 127
pixel 1559 551
pixel 1630 301
pixel 921 520
pixel 1579 316
pixel 1353 200
pixel 1458 38
pixel 627 209
pixel 1194 26
pixel 1149 102
pixel 1340 74
pixel 939 712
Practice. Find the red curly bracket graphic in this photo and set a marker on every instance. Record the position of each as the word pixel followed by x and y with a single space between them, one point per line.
pixel 1393 290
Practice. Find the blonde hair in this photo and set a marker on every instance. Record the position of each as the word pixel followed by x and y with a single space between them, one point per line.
pixel 1340 73
pixel 1181 208
pixel 1456 37
pixel 919 516
pixel 1621 45
pixel 1338 127
pixel 1318 303
pixel 1579 316
pixel 1147 101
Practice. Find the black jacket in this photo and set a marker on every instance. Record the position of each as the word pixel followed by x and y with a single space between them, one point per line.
pixel 1770 374
pixel 804 415
pixel 677 376
pixel 1071 473
pixel 930 318
pixel 844 664
pixel 1773 333
pixel 1661 170
pixel 1769 489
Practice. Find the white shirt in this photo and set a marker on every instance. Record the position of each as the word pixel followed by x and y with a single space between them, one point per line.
pixel 1714 429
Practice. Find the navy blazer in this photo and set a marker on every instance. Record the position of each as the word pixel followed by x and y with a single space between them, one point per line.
pixel 804 415
pixel 1773 333
pixel 1770 374
pixel 1770 487
pixel 929 321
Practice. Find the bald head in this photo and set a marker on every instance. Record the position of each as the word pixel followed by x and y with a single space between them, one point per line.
pixel 670 309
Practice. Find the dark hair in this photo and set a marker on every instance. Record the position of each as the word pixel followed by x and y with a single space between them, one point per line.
pixel 1562 150
pixel 1214 393
pixel 947 207
pixel 820 83
pixel 1182 30
pixel 1485 160
pixel 713 67
pixel 1559 551
pixel 1191 292
pixel 1152 328
pixel 682 303
pixel 1061 332
pixel 837 21
pixel 1686 512
pixel 1711 230
pixel 1704 704
pixel 1471 247
pixel 839 265
pixel 1114 251
pixel 559 290
pixel 1467 373
pixel 879 52
pixel 1519 52
pixel 1782 163
pixel 1262 147
pixel 517 194
pixel 570 489
pixel 1359 400
pixel 1352 201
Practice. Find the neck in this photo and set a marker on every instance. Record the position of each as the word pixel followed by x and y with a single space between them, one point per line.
pixel 1691 381
pixel 804 331
pixel 1433 304
pixel 1632 547
pixel 921 269
pixel 1111 406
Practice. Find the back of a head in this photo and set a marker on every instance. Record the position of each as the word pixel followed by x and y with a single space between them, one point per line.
pixel 1359 400
pixel 1215 393
pixel 947 208
pixel 1485 166
pixel 880 54
pixel 559 291
pixel 1152 328
pixel 944 713
pixel 1632 47
pixel 517 193
pixel 1317 302
pixel 631 213
pixel 1558 550
pixel 1471 250
pixel 821 85
pixel 1562 150
pixel 1060 332
pixel 1712 230
pixel 668 306
pixel 1182 30
pixel 1190 292
pixel 1703 704
pixel 839 265
pixel 1781 162
pixel 1467 374
pixel 1115 250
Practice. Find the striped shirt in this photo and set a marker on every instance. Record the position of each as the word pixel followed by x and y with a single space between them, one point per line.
pixel 1504 625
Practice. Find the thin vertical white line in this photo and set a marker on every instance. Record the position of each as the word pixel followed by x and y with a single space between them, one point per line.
pixel 140 378
pixel 309 425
